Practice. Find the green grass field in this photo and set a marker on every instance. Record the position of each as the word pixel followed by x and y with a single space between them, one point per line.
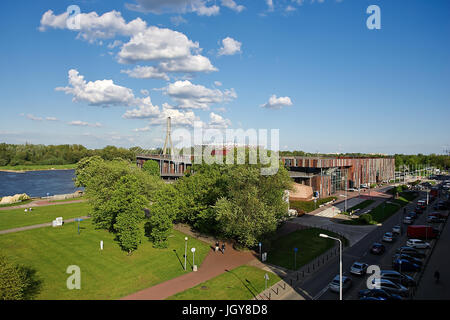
pixel 309 245
pixel 308 206
pixel 362 205
pixel 107 274
pixel 39 167
pixel 67 200
pixel 241 283
pixel 15 218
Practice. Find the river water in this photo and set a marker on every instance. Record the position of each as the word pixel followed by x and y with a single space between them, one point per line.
pixel 37 183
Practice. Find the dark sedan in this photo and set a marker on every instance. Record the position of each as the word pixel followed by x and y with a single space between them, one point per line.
pixel 377 248
pixel 377 294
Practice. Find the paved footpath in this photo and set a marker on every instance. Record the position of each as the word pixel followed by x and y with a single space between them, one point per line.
pixel 35 226
pixel 213 265
pixel 439 260
pixel 40 203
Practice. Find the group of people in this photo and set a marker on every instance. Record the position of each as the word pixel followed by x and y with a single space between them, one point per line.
pixel 223 247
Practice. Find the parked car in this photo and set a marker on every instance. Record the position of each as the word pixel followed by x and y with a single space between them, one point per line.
pixel 391 287
pixel 412 214
pixel 388 237
pixel 403 265
pixel 434 219
pixel 359 268
pixel 411 252
pixel 377 248
pixel 408 220
pixel 398 277
pixel 418 210
pixel 417 244
pixel 377 294
pixel 407 257
pixel 335 284
pixel 397 229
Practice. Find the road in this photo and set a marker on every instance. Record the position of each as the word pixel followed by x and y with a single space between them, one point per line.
pixel 317 285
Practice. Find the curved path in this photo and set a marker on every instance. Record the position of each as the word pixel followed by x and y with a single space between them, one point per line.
pixel 40 203
pixel 214 264
pixel 35 226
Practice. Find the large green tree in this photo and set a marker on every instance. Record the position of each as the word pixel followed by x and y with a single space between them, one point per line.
pixel 14 280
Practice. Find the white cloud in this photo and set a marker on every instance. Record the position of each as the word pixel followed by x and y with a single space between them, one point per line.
pixel 145 110
pixel 218 122
pixel 230 47
pixel 93 26
pixel 232 5
pixel 290 8
pixel 84 124
pixel 155 44
pixel 196 63
pixel 191 96
pixel 145 92
pixel 114 44
pixel 97 93
pixel 217 83
pixel 270 5
pixel 178 6
pixel 147 72
pixel 34 118
pixel 177 20
pixel 51 119
pixel 277 103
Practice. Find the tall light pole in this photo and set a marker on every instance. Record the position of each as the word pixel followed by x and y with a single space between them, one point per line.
pixel 185 252
pixel 322 235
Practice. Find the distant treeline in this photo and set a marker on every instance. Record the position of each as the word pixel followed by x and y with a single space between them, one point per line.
pixel 401 160
pixel 29 154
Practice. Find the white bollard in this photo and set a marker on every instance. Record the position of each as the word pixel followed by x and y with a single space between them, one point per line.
pixel 101 245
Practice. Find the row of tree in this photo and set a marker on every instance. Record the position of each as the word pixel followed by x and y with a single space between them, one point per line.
pixel 29 154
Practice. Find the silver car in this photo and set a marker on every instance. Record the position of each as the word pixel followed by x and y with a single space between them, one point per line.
pixel 335 284
pixel 359 268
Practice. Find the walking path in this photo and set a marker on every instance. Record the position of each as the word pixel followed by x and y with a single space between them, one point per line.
pixel 214 264
pixel 40 203
pixel 35 226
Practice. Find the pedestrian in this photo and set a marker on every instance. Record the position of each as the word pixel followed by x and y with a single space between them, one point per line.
pixel 223 248
pixel 217 246
pixel 437 276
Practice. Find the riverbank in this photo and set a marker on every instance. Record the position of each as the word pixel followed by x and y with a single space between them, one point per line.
pixel 27 168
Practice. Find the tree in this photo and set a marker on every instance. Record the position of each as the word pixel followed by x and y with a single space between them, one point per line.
pixel 151 167
pixel 13 280
pixel 127 205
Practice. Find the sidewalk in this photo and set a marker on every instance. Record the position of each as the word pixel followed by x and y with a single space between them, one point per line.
pixel 40 203
pixel 36 226
pixel 428 289
pixel 214 264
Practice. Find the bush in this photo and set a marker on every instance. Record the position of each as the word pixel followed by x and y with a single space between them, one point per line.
pixel 365 218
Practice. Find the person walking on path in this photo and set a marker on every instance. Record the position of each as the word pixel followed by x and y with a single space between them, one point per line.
pixel 223 248
pixel 437 276
pixel 217 246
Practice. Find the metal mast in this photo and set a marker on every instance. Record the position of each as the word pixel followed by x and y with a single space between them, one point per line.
pixel 168 139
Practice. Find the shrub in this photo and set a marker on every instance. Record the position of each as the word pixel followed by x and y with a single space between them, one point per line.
pixel 365 218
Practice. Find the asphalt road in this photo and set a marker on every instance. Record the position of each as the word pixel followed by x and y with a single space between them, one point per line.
pixel 317 285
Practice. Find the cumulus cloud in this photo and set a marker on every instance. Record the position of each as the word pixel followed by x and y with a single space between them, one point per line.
pixel 229 47
pixel 218 122
pixel 34 118
pixel 51 119
pixel 145 110
pixel 84 124
pixel 93 26
pixel 277 103
pixel 189 64
pixel 231 4
pixel 217 83
pixel 97 93
pixel 192 96
pixel 147 72
pixel 200 7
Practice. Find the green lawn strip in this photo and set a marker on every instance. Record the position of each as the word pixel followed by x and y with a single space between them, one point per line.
pixel 107 274
pixel 39 167
pixel 308 206
pixel 241 283
pixel 67 200
pixel 15 204
pixel 15 218
pixel 309 245
pixel 362 205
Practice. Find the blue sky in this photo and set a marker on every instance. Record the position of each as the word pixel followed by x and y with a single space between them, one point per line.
pixel 336 86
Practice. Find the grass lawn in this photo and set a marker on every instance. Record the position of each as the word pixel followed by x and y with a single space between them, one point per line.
pixel 362 205
pixel 241 283
pixel 19 218
pixel 39 167
pixel 107 274
pixel 308 206
pixel 309 245
pixel 15 204
pixel 71 199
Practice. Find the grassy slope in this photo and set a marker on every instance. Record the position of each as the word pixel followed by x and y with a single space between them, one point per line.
pixel 362 205
pixel 231 285
pixel 15 204
pixel 107 274
pixel 308 206
pixel 309 245
pixel 18 218
pixel 39 167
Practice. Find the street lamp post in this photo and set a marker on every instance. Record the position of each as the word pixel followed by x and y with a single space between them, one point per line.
pixel 340 261
pixel 185 252
pixel 295 258
pixel 260 253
